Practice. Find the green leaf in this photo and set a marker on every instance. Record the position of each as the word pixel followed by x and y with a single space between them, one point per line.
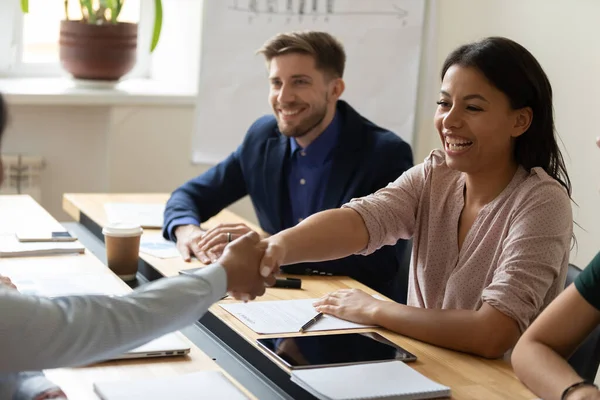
pixel 90 10
pixel 158 15
pixel 112 5
pixel 25 6
pixel 119 6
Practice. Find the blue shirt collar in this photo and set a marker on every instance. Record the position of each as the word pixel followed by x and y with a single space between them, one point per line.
pixel 321 148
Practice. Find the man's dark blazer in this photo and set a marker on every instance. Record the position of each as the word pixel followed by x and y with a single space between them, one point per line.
pixel 366 159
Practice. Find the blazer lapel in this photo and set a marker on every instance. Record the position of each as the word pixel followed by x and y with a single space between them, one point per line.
pixel 343 169
pixel 346 158
pixel 276 150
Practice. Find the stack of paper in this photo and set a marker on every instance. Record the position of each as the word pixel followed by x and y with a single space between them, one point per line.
pixel 196 386
pixel 11 247
pixel 387 380
pixel 285 316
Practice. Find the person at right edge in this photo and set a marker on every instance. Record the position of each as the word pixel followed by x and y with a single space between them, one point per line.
pixel 540 356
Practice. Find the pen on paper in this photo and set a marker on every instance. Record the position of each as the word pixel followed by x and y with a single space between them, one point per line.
pixel 311 322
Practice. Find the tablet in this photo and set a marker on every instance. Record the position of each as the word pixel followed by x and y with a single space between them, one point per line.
pixel 298 352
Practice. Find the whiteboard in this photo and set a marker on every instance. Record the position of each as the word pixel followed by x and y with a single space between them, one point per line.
pixel 382 40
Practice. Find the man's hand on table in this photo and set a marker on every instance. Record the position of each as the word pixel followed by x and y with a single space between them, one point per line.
pixel 207 246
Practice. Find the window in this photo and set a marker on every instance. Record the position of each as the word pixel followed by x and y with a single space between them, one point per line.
pixel 31 46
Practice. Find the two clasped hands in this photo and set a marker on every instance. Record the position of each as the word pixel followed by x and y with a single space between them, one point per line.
pixel 252 262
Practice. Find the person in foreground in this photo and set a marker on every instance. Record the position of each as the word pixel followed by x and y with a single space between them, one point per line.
pixel 314 153
pixel 540 356
pixel 490 215
pixel 38 333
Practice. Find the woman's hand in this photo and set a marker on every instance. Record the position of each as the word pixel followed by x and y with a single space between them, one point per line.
pixel 273 258
pixel 350 304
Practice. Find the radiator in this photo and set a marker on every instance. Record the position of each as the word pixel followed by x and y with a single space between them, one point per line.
pixel 22 175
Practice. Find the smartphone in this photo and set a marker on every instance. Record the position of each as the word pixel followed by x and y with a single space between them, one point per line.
pixel 45 236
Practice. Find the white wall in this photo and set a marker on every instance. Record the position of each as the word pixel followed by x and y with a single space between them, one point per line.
pixel 107 149
pixel 563 36
pixel 72 142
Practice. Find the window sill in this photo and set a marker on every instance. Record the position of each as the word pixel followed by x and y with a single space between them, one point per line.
pixel 63 91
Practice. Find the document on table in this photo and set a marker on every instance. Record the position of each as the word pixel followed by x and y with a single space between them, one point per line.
pixel 89 284
pixel 156 246
pixel 147 215
pixel 285 316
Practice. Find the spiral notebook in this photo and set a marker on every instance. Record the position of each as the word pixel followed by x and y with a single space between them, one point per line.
pixel 386 380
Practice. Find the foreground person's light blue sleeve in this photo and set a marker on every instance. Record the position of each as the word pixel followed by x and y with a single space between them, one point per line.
pixel 38 333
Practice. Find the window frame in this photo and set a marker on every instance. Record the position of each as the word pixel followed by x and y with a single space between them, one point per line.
pixel 11 46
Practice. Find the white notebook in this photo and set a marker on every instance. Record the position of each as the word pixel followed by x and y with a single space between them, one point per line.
pixel 196 386
pixel 11 247
pixel 386 380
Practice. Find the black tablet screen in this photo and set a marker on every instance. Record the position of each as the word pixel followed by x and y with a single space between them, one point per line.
pixel 349 348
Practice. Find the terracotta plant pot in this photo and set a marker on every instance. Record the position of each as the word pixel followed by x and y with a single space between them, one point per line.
pixel 98 52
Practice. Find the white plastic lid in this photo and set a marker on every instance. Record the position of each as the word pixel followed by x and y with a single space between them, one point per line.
pixel 122 229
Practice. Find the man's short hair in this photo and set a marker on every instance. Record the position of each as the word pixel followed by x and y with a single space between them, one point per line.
pixel 327 51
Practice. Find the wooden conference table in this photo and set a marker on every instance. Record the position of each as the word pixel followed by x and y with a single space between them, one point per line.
pixel 469 377
pixel 22 212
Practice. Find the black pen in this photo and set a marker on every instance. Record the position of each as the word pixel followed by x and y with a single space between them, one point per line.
pixel 311 322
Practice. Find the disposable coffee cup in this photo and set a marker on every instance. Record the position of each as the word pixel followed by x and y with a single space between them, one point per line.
pixel 122 242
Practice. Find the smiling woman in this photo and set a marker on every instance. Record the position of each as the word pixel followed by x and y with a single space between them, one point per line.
pixel 490 215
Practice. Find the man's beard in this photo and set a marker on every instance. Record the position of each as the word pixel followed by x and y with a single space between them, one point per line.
pixel 305 126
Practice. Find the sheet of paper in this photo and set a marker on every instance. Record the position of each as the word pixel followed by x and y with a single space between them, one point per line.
pixel 156 246
pixel 148 215
pixel 285 316
pixel 71 285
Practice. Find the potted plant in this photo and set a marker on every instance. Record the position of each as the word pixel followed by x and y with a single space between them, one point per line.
pixel 98 46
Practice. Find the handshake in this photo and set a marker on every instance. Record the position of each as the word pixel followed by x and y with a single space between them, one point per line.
pixel 250 265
